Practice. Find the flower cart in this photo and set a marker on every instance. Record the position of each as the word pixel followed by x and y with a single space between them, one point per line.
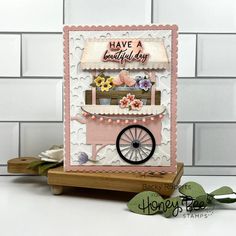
pixel 110 124
pixel 134 127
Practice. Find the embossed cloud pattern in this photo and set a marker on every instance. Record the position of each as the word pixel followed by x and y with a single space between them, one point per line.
pixel 109 155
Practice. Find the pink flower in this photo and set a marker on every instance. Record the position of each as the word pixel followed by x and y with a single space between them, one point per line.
pixel 130 97
pixel 124 78
pixel 117 81
pixel 123 75
pixel 136 104
pixel 124 102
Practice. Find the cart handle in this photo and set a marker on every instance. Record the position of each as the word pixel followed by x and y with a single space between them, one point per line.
pixel 79 119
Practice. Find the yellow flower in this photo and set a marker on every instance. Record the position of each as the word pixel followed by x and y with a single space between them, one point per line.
pixel 106 86
pixel 99 81
pixel 110 81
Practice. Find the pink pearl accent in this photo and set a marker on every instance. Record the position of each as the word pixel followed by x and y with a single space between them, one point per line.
pixel 118 121
pixel 152 118
pixel 93 117
pixel 101 119
pixel 135 121
pixel 109 120
pixel 126 121
pixel 161 116
pixel 85 113
pixel 144 120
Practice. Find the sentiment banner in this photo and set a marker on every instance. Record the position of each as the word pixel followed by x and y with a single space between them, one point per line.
pixel 124 54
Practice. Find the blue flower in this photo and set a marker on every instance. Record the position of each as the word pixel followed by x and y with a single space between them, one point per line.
pixel 83 158
pixel 138 78
pixel 145 84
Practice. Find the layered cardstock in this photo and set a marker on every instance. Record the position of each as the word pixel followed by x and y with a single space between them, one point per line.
pixel 120 98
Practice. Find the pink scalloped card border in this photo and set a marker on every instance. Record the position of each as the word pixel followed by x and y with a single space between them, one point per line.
pixel 173 166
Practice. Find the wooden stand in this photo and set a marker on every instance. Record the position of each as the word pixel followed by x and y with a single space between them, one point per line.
pixel 164 184
pixel 20 165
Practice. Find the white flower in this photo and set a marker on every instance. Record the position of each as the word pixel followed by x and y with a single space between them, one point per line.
pixel 55 155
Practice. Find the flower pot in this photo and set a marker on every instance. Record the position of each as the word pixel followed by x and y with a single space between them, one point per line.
pixel 104 101
pixel 126 88
pixel 144 100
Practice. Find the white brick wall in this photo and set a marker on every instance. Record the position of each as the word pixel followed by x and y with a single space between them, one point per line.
pixel 197 15
pixel 10 55
pixel 48 48
pixel 206 84
pixel 31 73
pixel 107 12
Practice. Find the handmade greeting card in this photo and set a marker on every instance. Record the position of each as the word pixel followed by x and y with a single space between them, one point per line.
pixel 120 98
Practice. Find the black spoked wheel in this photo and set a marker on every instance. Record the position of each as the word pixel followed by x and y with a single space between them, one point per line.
pixel 135 144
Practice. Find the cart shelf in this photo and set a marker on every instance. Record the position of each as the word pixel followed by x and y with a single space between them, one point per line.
pixel 117 110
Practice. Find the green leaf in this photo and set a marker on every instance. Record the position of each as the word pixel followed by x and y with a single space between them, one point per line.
pixel 93 85
pixel 101 75
pixel 35 164
pixel 200 201
pixel 46 166
pixel 172 206
pixel 226 200
pixel 192 189
pixel 210 199
pixel 222 191
pixel 146 203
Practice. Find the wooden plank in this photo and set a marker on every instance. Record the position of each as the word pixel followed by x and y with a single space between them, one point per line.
pixel 19 165
pixel 164 184
pixel 117 95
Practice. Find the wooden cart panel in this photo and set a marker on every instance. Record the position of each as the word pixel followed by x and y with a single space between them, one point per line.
pixel 117 95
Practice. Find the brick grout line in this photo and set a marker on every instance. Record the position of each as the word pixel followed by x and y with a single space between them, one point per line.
pixel 196 56
pixel 32 77
pixel 62 94
pixel 208 77
pixel 60 32
pixel 19 139
pixel 32 122
pixel 61 121
pixel 63 13
pixel 30 32
pixel 21 56
pixel 61 77
pixel 152 11
pixel 206 122
pixel 193 147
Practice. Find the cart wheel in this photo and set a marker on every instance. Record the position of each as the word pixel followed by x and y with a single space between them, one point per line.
pixel 135 144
